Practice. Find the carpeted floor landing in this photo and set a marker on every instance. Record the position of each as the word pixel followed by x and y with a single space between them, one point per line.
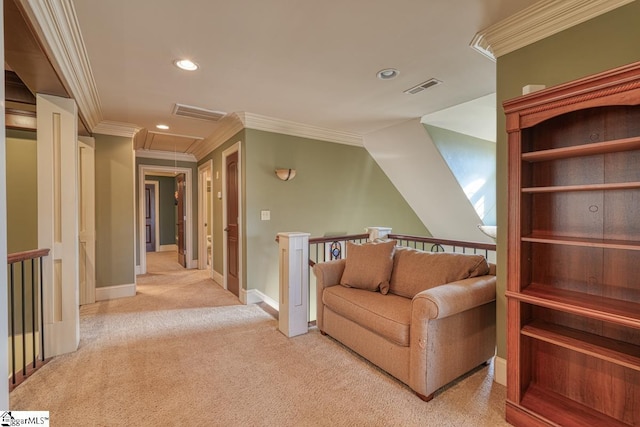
pixel 185 352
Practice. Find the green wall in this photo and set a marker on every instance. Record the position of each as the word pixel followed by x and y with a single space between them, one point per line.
pixel 337 189
pixel 194 197
pixel 22 213
pixel 167 208
pixel 605 42
pixel 22 191
pixel 473 162
pixel 115 258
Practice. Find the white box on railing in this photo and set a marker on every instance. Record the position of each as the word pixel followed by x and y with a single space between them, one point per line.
pixel 378 232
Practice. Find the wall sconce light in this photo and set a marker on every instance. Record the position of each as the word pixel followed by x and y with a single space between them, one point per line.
pixel 286 174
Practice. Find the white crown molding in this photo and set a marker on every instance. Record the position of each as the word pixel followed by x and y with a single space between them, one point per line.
pixel 106 127
pixel 57 26
pixel 166 155
pixel 541 20
pixel 228 126
pixel 270 124
pixel 177 135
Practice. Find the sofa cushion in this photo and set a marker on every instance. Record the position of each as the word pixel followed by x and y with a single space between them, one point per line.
pixel 387 315
pixel 415 271
pixel 369 266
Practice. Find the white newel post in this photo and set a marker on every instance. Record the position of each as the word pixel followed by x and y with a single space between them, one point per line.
pixel 294 283
pixel 377 232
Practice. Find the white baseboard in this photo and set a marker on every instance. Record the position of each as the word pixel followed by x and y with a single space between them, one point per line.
pixel 138 270
pixel 254 296
pixel 113 292
pixel 218 278
pixel 500 371
pixel 168 248
pixel 192 263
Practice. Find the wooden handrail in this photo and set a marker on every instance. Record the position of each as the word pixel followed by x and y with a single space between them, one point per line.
pixel 23 256
pixel 313 240
pixel 433 240
pixel 337 238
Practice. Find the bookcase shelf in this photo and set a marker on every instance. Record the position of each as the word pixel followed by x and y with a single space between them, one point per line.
pixel 621 312
pixel 613 146
pixel 583 242
pixel 550 408
pixel 586 187
pixel 573 293
pixel 614 351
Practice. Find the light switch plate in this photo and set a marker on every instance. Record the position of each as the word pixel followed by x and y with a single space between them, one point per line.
pixel 265 215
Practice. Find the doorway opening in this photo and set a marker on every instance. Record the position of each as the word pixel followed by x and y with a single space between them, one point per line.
pixel 181 231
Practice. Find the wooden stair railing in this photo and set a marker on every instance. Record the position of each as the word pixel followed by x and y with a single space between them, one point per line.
pixel 19 307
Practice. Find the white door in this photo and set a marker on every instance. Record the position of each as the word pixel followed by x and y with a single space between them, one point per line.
pixel 87 221
pixel 57 149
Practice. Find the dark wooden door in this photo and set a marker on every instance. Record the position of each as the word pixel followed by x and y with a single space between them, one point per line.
pixel 150 216
pixel 180 219
pixel 233 249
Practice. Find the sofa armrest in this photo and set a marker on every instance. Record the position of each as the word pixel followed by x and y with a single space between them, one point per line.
pixel 329 273
pixel 452 331
pixel 455 297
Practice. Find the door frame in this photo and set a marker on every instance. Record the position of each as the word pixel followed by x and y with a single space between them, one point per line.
pixel 143 170
pixel 87 295
pixel 156 192
pixel 226 153
pixel 202 214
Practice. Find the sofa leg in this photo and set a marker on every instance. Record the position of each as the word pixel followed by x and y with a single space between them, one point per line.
pixel 425 398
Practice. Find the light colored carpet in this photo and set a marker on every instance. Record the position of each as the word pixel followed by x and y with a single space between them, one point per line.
pixel 185 352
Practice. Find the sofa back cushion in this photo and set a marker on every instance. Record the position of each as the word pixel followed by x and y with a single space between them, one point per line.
pixel 415 271
pixel 368 266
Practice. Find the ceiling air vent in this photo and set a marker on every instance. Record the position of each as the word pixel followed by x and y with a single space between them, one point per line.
pixel 197 113
pixel 422 86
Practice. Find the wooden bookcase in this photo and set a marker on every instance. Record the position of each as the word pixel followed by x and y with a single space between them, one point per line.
pixel 573 277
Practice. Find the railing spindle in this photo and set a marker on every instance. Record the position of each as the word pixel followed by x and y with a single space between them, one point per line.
pixel 42 357
pixel 33 312
pixel 24 321
pixel 13 328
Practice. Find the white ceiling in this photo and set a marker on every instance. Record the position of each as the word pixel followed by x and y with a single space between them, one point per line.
pixel 311 62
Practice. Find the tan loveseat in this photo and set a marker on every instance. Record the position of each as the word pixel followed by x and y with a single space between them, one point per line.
pixel 425 318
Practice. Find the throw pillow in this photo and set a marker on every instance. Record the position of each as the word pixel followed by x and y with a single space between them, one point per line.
pixel 368 266
pixel 415 271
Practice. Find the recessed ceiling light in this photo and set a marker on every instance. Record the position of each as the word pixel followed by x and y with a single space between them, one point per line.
pixel 163 127
pixel 388 73
pixel 186 64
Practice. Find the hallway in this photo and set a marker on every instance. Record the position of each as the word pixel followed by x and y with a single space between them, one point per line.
pixel 162 262
pixel 135 353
